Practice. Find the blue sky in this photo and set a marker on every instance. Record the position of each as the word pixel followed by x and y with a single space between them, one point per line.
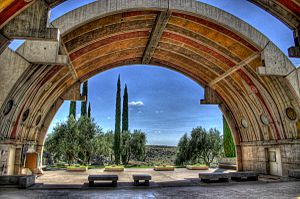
pixel 164 103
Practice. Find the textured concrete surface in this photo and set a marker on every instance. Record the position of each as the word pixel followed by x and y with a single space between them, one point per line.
pixel 239 190
pixel 65 177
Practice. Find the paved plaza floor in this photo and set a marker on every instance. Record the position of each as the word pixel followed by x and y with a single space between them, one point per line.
pixel 178 176
pixel 181 183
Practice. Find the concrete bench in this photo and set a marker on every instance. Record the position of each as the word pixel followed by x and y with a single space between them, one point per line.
pixel 207 177
pixel 26 181
pixel 138 177
pixel 248 175
pixel 294 173
pixel 20 181
pixel 113 178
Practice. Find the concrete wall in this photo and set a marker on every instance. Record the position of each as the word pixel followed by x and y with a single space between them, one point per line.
pixel 255 156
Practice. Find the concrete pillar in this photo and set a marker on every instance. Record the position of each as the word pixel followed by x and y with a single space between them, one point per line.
pixel 7 159
pixel 11 160
pixel 18 161
pixel 235 135
pixel 238 152
pixel 39 150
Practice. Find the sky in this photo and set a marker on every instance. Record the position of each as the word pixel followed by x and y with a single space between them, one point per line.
pixel 164 103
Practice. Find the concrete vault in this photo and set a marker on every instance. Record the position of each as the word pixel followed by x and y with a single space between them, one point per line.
pixel 254 83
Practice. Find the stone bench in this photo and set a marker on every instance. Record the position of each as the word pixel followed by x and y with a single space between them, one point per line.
pixel 248 175
pixel 138 177
pixel 26 181
pixel 294 173
pixel 113 178
pixel 207 177
pixel 20 181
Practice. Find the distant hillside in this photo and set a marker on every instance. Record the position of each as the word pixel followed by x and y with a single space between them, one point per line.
pixel 159 154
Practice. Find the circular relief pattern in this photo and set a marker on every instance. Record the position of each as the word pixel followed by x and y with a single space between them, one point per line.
pixel 264 119
pixel 25 115
pixel 244 123
pixel 8 107
pixel 291 113
pixel 38 119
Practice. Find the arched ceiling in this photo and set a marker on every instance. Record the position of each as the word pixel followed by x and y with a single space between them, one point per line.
pixel 208 45
pixel 288 11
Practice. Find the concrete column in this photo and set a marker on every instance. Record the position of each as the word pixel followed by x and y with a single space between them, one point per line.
pixel 39 149
pixel 235 135
pixel 238 152
pixel 18 161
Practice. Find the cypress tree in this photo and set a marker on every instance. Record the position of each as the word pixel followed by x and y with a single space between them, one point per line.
pixel 125 110
pixel 72 109
pixel 89 110
pixel 229 147
pixel 117 135
pixel 84 103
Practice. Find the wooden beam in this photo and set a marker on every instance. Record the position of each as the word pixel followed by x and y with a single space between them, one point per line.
pixel 157 30
pixel 235 68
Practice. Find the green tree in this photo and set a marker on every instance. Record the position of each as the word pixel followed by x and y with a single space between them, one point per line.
pixel 89 110
pixel 117 136
pixel 203 147
pixel 84 103
pixel 88 131
pixel 72 109
pixel 109 140
pixel 126 147
pixel 125 110
pixel 53 142
pixel 138 145
pixel 213 148
pixel 229 147
pixel 183 150
pixel 69 140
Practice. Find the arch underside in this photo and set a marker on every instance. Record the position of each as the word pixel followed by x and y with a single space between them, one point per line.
pixel 288 11
pixel 195 46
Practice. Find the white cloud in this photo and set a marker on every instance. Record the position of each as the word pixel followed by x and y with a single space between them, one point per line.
pixel 136 103
pixel 108 118
pixel 158 111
